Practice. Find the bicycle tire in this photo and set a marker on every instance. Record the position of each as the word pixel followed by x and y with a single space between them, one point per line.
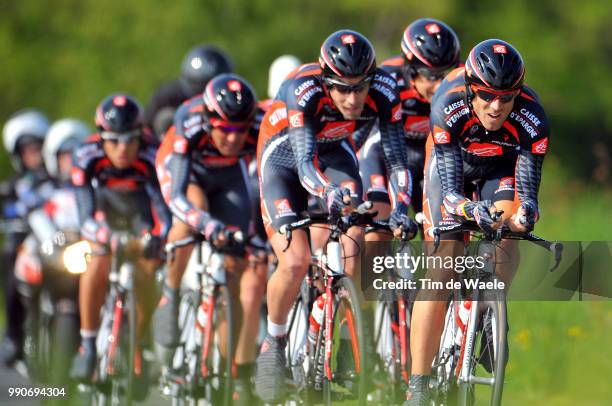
pixel 64 341
pixel 130 301
pixel 346 293
pixel 218 387
pixel 297 342
pixel 466 390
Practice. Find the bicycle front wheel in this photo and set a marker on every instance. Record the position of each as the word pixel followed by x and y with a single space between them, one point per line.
pixel 487 364
pixel 348 358
pixel 217 350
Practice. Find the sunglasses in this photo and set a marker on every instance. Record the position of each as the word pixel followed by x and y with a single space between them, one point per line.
pixel 432 76
pixel 490 95
pixel 121 138
pixel 229 127
pixel 345 88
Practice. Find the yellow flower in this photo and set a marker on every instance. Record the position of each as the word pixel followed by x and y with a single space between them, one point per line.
pixel 575 331
pixel 523 339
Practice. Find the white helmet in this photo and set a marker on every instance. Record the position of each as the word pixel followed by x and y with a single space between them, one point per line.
pixel 279 70
pixel 64 135
pixel 24 123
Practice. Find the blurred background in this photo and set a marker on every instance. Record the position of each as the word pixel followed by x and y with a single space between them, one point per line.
pixel 64 56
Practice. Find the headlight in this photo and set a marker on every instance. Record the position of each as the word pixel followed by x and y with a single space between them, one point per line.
pixel 75 257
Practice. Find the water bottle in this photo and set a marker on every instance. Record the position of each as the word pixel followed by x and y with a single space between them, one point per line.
pixel 202 317
pixel 461 318
pixel 315 320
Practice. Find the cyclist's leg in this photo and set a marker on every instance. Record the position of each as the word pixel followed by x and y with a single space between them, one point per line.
pixel 166 314
pixel 429 308
pixel 282 198
pixel 143 223
pixel 230 199
pixel 499 188
pixel 92 290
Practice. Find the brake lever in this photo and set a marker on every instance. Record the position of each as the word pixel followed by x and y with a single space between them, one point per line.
pixel 557 248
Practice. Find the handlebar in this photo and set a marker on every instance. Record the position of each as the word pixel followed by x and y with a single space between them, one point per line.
pixel 360 217
pixel 502 233
pixel 236 237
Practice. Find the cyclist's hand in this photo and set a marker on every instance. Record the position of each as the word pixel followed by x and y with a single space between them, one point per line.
pixel 214 231
pixel 403 227
pixel 525 217
pixel 484 213
pixel 337 199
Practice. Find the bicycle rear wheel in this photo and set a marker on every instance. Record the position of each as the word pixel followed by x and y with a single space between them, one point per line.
pixel 217 350
pixel 348 360
pixel 296 350
pixel 488 362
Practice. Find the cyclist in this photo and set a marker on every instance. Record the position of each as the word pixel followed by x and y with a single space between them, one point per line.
pixel 486 126
pixel 28 188
pixel 304 149
pixel 201 64
pixel 203 173
pixel 117 189
pixel 430 49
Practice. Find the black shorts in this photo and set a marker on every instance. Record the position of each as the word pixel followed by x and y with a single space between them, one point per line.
pixel 374 172
pixel 126 210
pixel 283 198
pixel 228 192
pixel 481 182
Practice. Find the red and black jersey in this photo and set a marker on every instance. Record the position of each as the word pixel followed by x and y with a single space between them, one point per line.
pixel 188 146
pixel 459 137
pixel 190 136
pixel 415 108
pixel 303 116
pixel 92 171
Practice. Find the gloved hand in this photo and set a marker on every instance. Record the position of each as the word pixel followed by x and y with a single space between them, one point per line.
pixel 480 212
pixel 402 225
pixel 336 199
pixel 527 215
pixel 214 232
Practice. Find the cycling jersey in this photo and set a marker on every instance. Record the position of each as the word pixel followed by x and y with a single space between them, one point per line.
pixel 415 118
pixel 188 155
pixel 463 148
pixel 303 125
pixel 127 198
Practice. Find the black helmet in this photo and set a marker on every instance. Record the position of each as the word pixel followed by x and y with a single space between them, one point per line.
pixel 430 44
pixel 495 64
pixel 347 53
pixel 230 98
pixel 119 113
pixel 200 65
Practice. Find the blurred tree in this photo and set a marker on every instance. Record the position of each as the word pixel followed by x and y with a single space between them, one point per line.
pixel 63 56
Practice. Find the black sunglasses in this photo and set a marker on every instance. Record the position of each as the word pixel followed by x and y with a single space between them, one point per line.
pixel 432 76
pixel 489 95
pixel 345 88
pixel 120 138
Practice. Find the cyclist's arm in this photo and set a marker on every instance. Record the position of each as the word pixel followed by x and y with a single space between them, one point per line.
pixel 184 141
pixel 385 93
pixel 394 150
pixel 534 145
pixel 304 146
pixel 302 137
pixel 449 164
pixel 528 174
pixel 91 229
